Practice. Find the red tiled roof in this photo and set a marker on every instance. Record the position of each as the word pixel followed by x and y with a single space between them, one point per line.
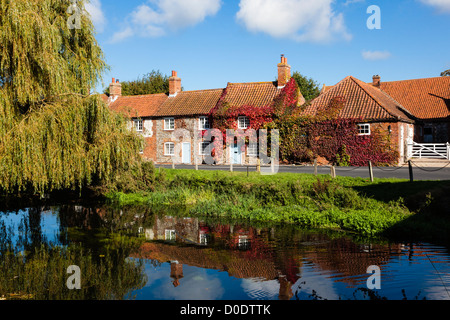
pixel 187 103
pixel 427 98
pixel 139 106
pixel 362 100
pixel 257 94
pixel 104 97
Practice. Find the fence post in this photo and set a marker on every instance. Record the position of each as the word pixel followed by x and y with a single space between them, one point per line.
pixel 231 166
pixel 333 172
pixel 196 160
pixel 258 165
pixel 315 167
pixel 370 171
pixel 448 151
pixel 411 176
pixel 173 163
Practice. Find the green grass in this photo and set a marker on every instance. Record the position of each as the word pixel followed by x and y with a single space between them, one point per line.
pixel 350 204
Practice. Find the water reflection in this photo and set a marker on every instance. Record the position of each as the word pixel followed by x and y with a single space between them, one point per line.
pixel 158 256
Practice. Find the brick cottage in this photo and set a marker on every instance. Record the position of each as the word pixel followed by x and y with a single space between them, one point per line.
pixel 411 110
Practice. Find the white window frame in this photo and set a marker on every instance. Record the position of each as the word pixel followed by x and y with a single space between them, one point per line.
pixel 201 151
pixel 255 145
pixel 364 129
pixel 170 235
pixel 165 149
pixel 203 123
pixel 169 124
pixel 245 120
pixel 138 125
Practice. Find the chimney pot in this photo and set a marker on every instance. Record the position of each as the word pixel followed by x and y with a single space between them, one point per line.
pixel 115 89
pixel 284 72
pixel 174 84
pixel 376 80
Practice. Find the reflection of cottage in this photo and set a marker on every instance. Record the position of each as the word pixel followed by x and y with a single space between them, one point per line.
pixel 173 229
pixel 176 272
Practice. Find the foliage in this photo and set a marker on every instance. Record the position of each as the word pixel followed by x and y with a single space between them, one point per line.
pixel 53 133
pixel 308 87
pixel 326 134
pixel 306 201
pixel 41 274
pixel 224 116
pixel 153 82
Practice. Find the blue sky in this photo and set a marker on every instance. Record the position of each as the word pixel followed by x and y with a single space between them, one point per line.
pixel 212 42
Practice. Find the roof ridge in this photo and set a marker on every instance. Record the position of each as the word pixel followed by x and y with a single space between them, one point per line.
pixel 416 79
pixel 201 90
pixel 143 95
pixel 380 103
pixel 248 83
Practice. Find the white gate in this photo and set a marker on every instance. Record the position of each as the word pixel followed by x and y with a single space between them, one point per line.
pixel 429 150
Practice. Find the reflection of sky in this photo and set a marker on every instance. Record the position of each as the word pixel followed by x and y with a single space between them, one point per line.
pixel 15 221
pixel 425 273
pixel 196 284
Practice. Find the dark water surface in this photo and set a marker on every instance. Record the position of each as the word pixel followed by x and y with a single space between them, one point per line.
pixel 137 254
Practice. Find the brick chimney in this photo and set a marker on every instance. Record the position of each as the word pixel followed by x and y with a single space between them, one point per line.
pixel 376 81
pixel 174 84
pixel 284 72
pixel 115 89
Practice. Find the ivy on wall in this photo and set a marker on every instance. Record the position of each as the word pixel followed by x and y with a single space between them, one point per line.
pixel 306 137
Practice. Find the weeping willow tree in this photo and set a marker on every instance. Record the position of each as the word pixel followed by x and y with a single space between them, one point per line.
pixel 54 134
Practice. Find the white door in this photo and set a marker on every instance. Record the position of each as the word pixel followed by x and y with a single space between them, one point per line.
pixel 402 142
pixel 186 153
pixel 236 155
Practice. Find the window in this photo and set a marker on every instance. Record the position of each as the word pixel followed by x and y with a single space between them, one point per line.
pixel 252 149
pixel 204 148
pixel 203 123
pixel 170 235
pixel 139 125
pixel 169 124
pixel 243 122
pixel 364 129
pixel 169 149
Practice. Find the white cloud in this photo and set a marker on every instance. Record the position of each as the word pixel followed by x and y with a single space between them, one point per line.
pixel 349 2
pixel 301 20
pixel 94 8
pixel 121 35
pixel 376 55
pixel 158 17
pixel 441 5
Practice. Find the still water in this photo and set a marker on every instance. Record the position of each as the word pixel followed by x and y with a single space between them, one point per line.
pixel 138 254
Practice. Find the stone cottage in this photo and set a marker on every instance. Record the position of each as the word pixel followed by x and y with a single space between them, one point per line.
pixel 172 124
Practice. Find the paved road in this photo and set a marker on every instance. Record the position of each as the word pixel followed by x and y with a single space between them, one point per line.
pixel 419 173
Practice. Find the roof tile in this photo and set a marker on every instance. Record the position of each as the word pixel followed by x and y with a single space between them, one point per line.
pixel 427 98
pixel 362 100
pixel 139 106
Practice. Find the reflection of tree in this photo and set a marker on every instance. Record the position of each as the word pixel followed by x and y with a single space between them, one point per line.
pixel 43 274
pixel 40 272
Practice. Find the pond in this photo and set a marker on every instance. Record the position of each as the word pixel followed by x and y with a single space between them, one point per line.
pixel 139 254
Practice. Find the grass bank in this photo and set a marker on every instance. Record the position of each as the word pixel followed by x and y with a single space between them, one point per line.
pixel 386 207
